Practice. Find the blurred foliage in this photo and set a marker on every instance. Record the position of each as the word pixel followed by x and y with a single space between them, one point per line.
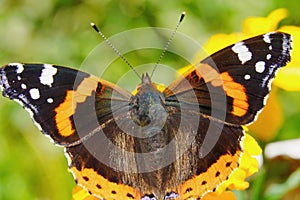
pixel 53 31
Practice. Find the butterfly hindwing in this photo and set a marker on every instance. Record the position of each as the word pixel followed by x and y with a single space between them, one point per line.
pixel 183 174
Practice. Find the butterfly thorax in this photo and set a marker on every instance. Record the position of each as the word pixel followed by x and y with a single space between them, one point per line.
pixel 147 106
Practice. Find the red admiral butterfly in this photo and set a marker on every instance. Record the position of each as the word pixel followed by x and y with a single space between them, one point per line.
pixel 120 145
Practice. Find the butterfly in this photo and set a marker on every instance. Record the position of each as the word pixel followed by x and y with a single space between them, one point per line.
pixel 181 142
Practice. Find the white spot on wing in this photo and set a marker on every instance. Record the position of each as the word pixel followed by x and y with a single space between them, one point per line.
pixel 243 52
pixel 260 66
pixel 267 38
pixel 23 86
pixel 48 72
pixel 19 78
pixel 20 67
pixel 268 57
pixel 247 77
pixel 50 100
pixel 270 47
pixel 34 93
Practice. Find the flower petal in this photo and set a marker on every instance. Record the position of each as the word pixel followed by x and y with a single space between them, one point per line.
pixel 79 193
pixel 217 42
pixel 295 32
pixel 288 77
pixel 227 195
pixel 248 166
pixel 270 119
pixel 258 25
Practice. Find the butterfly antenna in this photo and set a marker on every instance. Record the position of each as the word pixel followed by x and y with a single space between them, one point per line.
pixel 168 43
pixel 114 48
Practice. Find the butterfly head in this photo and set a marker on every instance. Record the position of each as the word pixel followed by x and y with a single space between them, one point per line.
pixel 147 105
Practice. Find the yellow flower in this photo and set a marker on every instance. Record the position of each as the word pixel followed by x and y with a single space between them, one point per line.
pixel 272 116
pixel 80 194
pixel 226 195
pixel 253 26
pixel 287 78
pixel 248 166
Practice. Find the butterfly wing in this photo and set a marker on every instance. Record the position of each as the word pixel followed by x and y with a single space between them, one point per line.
pixel 226 90
pixel 78 111
pixel 233 83
pixel 53 94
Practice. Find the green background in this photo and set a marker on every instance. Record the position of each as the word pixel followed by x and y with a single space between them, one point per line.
pixel 53 31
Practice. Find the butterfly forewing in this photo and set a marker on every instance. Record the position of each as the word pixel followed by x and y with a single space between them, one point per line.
pixel 53 94
pixel 233 83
